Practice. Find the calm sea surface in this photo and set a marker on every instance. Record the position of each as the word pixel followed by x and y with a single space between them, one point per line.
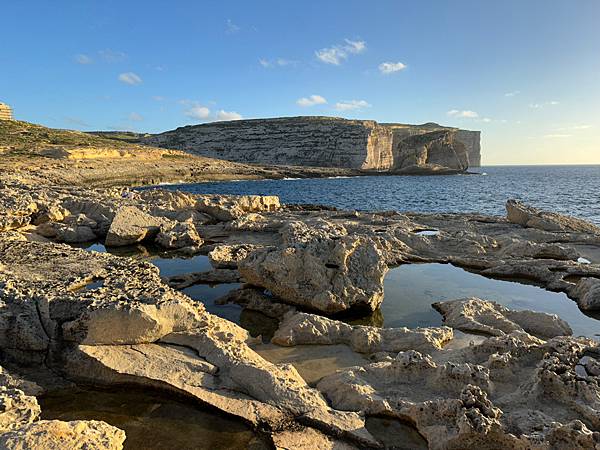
pixel 568 189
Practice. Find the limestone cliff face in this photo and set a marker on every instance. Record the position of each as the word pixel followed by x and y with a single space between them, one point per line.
pixel 436 148
pixel 472 141
pixel 301 141
pixel 326 142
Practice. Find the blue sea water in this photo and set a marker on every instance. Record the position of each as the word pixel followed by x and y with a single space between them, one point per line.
pixel 572 190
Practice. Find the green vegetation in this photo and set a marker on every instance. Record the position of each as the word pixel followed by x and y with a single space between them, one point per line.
pixel 24 138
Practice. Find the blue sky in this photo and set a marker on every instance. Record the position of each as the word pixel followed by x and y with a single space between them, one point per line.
pixel 525 72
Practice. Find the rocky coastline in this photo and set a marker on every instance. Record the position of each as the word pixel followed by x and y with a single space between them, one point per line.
pixel 74 317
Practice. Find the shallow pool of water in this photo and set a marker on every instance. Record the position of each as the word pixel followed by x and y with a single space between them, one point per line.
pixel 411 289
pixel 151 420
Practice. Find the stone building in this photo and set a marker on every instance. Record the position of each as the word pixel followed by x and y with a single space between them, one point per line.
pixel 5 112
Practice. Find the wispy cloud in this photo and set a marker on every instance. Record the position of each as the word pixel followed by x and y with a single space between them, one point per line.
pixel 158 98
pixel 465 114
pixel 278 62
pixel 338 53
pixel 198 112
pixel 228 115
pixel 311 101
pixel 556 136
pixel 544 104
pixel 135 117
pixel 130 78
pixel 390 67
pixel 575 127
pixel 112 56
pixel 350 105
pixel 512 93
pixel 83 59
pixel 231 28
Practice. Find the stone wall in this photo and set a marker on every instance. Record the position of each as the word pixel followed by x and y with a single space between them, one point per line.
pixel 5 112
pixel 324 142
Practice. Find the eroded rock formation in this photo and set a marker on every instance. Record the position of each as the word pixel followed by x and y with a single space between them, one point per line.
pixel 328 142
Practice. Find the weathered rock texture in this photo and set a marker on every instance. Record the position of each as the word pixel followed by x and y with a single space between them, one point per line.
pixel 302 328
pixel 324 142
pixel 482 316
pixel 470 139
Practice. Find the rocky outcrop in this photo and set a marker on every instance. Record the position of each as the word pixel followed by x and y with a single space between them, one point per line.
pixel 531 217
pixel 475 315
pixel 325 275
pixel 326 142
pixel 302 328
pixel 434 149
pixel 491 395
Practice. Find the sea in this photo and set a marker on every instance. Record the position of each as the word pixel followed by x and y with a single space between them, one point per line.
pixel 573 190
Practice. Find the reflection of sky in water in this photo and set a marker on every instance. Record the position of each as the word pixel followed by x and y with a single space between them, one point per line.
pixel 151 420
pixel 410 289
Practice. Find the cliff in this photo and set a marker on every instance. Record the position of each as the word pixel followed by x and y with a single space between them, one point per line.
pixel 326 142
pixel 297 141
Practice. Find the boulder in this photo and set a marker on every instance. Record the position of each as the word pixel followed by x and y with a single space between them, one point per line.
pixel 230 207
pixel 328 275
pixel 228 256
pixel 475 315
pixel 587 293
pixel 131 225
pixel 302 328
pixel 528 249
pixel 528 216
pixel 178 235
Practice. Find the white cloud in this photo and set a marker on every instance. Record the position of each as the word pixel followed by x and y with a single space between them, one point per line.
pixel 198 112
pixel 512 93
pixel 112 56
pixel 556 136
pixel 390 67
pixel 486 120
pixel 231 28
pixel 351 105
pixel 355 46
pixel 541 105
pixel 228 115
pixel 575 127
pixel 135 117
pixel 130 78
pixel 466 114
pixel 311 101
pixel 337 53
pixel 83 59
pixel 281 62
pixel 158 98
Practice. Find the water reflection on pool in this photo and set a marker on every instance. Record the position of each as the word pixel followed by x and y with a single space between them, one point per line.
pixel 152 420
pixel 411 289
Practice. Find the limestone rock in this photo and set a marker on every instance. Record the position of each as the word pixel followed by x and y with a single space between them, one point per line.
pixel 229 207
pixel 483 316
pixel 302 328
pixel 587 293
pixel 326 275
pixel 528 249
pixel 16 409
pixel 178 235
pixel 58 435
pixel 131 225
pixel 529 216
pixel 228 256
